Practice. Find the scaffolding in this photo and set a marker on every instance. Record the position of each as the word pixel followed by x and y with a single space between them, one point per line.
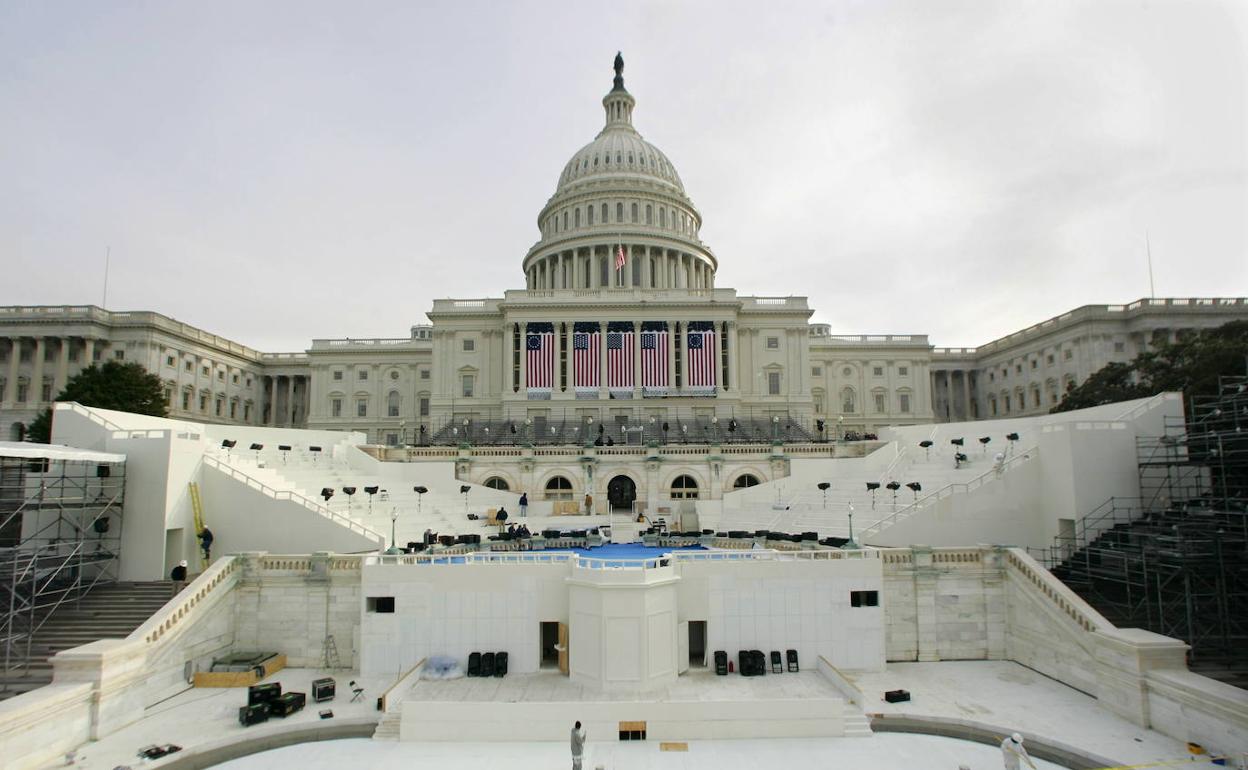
pixel 1175 561
pixel 60 535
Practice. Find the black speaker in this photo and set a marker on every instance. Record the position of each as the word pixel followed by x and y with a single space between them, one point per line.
pixel 263 693
pixel 897 696
pixel 289 703
pixel 323 689
pixel 103 471
pixel 253 715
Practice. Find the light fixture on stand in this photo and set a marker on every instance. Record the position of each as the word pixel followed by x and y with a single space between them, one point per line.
pixel 871 487
pixel 983 442
pixel 927 448
pixel 370 491
pixel 894 486
pixel 420 496
pixel 348 491
pixel 464 490
pixel 1013 439
pixel 284 449
pixel 915 487
pixel 823 487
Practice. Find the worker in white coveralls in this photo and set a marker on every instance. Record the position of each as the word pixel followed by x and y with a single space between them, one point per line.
pixel 1012 752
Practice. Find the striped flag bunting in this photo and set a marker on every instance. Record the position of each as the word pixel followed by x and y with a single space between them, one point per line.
pixel 620 359
pixel 586 358
pixel 539 345
pixel 655 376
pixel 702 364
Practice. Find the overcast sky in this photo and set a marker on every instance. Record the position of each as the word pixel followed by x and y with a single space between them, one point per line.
pixel 275 172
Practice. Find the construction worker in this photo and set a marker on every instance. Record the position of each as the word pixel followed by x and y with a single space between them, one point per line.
pixel 205 542
pixel 1012 752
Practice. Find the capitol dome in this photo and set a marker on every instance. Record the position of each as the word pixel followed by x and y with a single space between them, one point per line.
pixel 619 192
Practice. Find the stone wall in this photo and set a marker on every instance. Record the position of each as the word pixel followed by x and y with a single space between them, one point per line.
pixel 944 604
pixel 289 604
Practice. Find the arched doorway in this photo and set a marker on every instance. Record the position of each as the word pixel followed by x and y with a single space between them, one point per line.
pixel 621 492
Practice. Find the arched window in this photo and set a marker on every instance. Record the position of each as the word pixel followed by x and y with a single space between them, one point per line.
pixel 392 404
pixel 684 488
pixel 649 214
pixel 992 405
pixel 497 482
pixel 619 212
pixel 604 213
pixel 634 212
pixel 662 217
pixel 565 220
pixel 577 218
pixel 589 214
pixel 745 480
pixel 848 400
pixel 558 488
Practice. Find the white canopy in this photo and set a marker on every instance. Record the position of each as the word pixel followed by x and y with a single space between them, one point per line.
pixel 57 452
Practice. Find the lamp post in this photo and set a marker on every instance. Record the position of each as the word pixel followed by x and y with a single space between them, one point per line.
pixel 823 487
pixel 850 544
pixel 420 496
pixel 394 518
pixel 403 433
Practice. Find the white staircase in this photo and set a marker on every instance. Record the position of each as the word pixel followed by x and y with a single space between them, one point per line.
pixel 388 727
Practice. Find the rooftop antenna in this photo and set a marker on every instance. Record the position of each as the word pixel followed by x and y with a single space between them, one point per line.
pixel 108 253
pixel 1152 293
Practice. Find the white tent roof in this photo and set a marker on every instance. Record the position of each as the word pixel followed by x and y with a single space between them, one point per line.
pixel 57 452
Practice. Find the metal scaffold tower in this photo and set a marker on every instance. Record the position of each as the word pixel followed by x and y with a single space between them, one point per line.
pixel 1175 561
pixel 60 534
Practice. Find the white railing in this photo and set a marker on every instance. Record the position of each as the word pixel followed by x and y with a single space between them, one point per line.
pixel 475 557
pixel 768 554
pixel 1141 409
pixel 1055 591
pixel 78 408
pixel 182 610
pixel 295 497
pixel 951 489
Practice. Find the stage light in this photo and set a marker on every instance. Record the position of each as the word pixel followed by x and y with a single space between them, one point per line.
pixel 872 486
pixel 257 447
pixel 283 447
pixel 823 485
pixel 893 485
pixel 463 490
pixel 228 444
pixel 958 441
pixel 348 491
pixel 925 443
pixel 371 490
pixel 1011 437
pixel 420 490
pixel 327 493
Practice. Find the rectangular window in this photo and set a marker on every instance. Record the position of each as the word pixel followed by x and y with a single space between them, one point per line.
pixel 233 410
pixel 864 598
pixel 169 361
pixel 23 390
pixel 1120 347
pixel 190 365
pixel 877 371
pixel 992 376
pixel 1068 354
pixel 186 400
pixel 424 407
pixel 773 383
pixel 120 355
pixel 203 403
pixel 26 355
pixel 773 343
pixel 361 407
pixel 1034 363
pixel 392 439
pixel 220 376
pixel 1018 368
pixel 335 407
pixel 816 371
pixel 467 386
pixel 249 382
pixel 470 345
pixel 1049 359
pixel 903 371
pixel 879 402
pixel 246 412
pixel 363 375
pixel 392 410
pixel 234 379
pixel 424 374
pixel 903 403
pixel 337 374
pixel 47 393
pixel 220 406
pixel 379 604
pixel 204 371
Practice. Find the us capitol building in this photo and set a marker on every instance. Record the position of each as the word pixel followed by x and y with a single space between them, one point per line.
pixel 620 321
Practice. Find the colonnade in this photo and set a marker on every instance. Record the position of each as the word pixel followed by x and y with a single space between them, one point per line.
pixel 283 408
pixel 594 268
pixel 47 362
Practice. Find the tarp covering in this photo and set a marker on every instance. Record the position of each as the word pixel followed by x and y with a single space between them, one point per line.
pixel 56 452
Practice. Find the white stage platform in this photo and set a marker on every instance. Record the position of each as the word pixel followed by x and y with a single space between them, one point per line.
pixel 699 706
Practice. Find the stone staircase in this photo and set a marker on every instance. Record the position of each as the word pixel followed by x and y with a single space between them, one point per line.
pixel 107 612
pixel 857 725
pixel 388 727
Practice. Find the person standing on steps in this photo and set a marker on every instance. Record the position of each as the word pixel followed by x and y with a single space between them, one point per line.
pixel 524 504
pixel 578 746
pixel 178 576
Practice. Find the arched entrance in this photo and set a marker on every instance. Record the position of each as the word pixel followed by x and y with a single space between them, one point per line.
pixel 621 492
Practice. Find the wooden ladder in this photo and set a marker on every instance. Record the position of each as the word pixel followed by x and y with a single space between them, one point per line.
pixel 197 507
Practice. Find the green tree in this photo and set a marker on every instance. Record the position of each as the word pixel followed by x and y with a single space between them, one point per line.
pixel 125 387
pixel 1192 366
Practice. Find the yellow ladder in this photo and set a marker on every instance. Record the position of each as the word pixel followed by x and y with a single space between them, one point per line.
pixel 197 506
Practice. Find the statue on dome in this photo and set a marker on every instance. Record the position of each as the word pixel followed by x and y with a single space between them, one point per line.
pixel 619 71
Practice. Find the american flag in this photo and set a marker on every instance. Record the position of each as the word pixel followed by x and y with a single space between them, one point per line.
pixel 540 346
pixel 620 359
pixel 586 361
pixel 654 373
pixel 619 257
pixel 701 357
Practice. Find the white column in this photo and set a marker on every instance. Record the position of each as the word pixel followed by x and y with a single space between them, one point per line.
pixel 524 357
pixel 290 401
pixel 554 380
pixel 62 366
pixel 273 398
pixel 15 355
pixel 734 365
pixel 88 352
pixel 36 376
pixel 719 358
pixel 671 354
